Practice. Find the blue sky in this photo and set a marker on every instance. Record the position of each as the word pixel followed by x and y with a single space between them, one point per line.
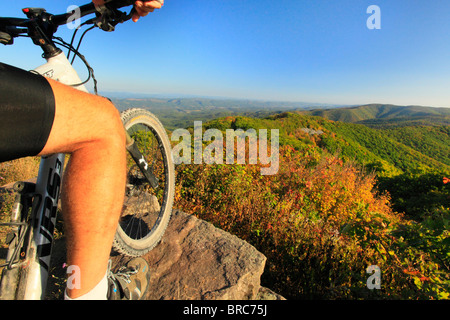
pixel 293 50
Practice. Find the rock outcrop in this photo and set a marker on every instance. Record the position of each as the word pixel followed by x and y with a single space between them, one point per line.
pixel 194 261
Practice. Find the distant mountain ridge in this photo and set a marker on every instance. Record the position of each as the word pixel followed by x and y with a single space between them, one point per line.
pixel 181 112
pixel 177 113
pixel 385 114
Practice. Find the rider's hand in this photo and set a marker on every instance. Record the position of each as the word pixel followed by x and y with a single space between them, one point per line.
pixel 143 8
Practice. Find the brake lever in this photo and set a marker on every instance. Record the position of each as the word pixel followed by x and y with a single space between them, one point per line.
pixel 130 15
pixel 108 20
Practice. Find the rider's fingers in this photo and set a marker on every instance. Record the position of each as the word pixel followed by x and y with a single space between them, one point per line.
pixel 154 4
pixel 149 5
pixel 135 17
pixel 144 8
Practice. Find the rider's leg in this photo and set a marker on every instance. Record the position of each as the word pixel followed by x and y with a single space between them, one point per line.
pixel 89 129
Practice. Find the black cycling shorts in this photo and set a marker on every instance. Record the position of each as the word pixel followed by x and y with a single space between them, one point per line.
pixel 27 111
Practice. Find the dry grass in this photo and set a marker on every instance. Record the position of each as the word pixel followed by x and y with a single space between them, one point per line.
pixel 17 170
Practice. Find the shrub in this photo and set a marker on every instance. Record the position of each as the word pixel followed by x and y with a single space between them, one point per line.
pixel 320 223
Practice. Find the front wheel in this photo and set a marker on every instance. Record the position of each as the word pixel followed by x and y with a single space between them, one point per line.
pixel 148 205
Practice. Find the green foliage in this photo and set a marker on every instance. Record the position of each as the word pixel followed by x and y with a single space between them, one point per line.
pixel 381 147
pixel 432 141
pixel 417 195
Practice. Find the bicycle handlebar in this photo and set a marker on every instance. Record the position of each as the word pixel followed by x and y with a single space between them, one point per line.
pixel 13 25
pixel 41 26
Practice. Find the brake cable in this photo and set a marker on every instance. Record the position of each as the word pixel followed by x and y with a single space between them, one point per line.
pixel 71 48
pixel 79 42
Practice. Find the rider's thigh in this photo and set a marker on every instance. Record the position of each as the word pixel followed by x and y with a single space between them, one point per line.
pixel 82 118
pixel 27 110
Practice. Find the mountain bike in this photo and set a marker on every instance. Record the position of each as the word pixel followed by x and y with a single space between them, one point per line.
pixel 28 231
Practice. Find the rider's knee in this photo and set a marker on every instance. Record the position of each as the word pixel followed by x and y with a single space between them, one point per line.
pixel 111 122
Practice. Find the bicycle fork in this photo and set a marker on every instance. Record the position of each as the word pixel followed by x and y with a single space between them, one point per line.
pixel 31 239
pixel 140 160
pixel 48 189
pixel 17 238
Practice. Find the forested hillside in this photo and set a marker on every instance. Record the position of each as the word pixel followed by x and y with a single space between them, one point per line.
pixel 432 141
pixel 181 113
pixel 388 152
